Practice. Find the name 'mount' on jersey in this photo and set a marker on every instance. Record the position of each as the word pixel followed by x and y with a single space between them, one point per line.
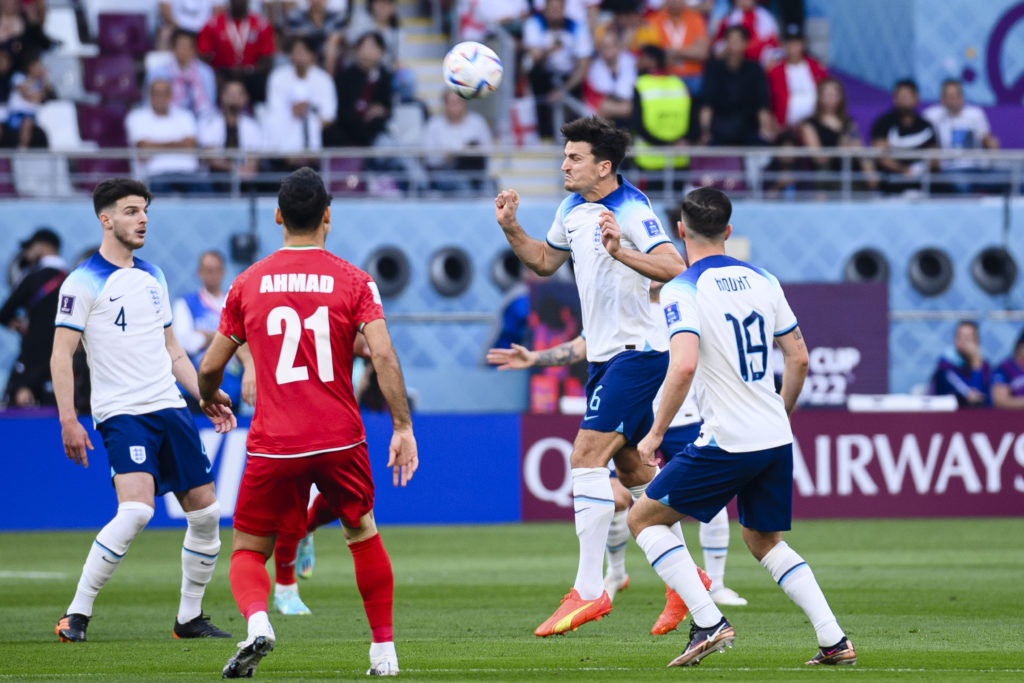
pixel 296 282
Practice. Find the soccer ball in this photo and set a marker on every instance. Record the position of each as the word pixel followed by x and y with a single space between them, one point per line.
pixel 472 70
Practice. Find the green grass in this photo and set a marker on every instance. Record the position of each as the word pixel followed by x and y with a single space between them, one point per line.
pixel 923 600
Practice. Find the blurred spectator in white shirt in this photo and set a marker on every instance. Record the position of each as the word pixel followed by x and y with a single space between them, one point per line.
pixel 559 52
pixel 451 132
pixel 323 27
pixel 193 85
pixel 583 12
pixel 960 126
pixel 158 126
pixel 231 128
pixel 479 19
pixel 301 101
pixel 608 89
pixel 187 15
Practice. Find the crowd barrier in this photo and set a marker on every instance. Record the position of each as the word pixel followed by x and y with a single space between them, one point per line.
pixel 482 469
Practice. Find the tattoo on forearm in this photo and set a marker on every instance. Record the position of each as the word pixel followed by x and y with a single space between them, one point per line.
pixel 559 355
pixel 796 334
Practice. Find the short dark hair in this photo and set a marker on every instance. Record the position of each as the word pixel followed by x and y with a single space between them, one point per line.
pixel 607 143
pixel 706 211
pixel 738 28
pixel 376 37
pixel 906 83
pixel 655 54
pixel 1020 341
pixel 951 81
pixel 182 33
pixel 215 254
pixel 303 200
pixel 109 191
pixel 299 40
pixel 966 322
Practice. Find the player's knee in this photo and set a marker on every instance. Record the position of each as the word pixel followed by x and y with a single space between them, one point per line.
pixel 203 534
pixel 637 520
pixel 367 529
pixel 138 514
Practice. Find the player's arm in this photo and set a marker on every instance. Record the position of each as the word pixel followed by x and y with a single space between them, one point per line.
pixel 72 433
pixel 794 370
pixel 1003 398
pixel 519 357
pixel 662 263
pixel 248 374
pixel 402 454
pixel 682 365
pixel 184 372
pixel 537 255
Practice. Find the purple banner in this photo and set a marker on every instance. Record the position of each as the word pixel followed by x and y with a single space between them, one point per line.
pixel 846 327
pixel 969 463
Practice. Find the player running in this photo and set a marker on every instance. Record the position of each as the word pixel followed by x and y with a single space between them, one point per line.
pixel 299 310
pixel 618 246
pixel 720 313
pixel 118 306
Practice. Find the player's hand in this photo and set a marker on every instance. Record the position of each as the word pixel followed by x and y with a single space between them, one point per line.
pixel 647 448
pixel 611 233
pixel 249 386
pixel 505 206
pixel 402 456
pixel 76 441
pixel 218 409
pixel 516 358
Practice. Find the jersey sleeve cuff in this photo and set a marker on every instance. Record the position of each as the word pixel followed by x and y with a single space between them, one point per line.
pixel 656 244
pixel 236 339
pixel 70 327
pixel 786 331
pixel 555 246
pixel 683 329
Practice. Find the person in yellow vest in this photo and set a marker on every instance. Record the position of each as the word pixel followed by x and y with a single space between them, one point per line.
pixel 661 113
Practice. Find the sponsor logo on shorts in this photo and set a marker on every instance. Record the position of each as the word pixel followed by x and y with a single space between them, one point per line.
pixel 672 313
pixel 652 227
pixel 67 304
pixel 137 454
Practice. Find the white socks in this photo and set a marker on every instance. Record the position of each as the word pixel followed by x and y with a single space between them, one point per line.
pixel 594 507
pixel 106 553
pixel 797 580
pixel 637 491
pixel 714 539
pixel 615 550
pixel 672 561
pixel 198 559
pixel 259 625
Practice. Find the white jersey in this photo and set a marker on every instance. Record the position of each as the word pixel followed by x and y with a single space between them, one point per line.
pixel 735 309
pixel 614 298
pixel 688 412
pixel 122 313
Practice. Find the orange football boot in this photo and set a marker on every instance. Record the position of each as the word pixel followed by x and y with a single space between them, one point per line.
pixel 675 609
pixel 573 613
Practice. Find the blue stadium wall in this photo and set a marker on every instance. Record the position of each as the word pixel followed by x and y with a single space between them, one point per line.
pixel 807 242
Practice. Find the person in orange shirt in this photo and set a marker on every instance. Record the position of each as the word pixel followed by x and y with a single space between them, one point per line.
pixel 682 33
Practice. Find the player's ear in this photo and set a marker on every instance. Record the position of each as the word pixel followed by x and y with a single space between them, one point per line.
pixel 681 229
pixel 327 220
pixel 278 218
pixel 728 231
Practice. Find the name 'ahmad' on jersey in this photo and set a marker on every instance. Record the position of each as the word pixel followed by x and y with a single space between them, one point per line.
pixel 614 298
pixel 122 313
pixel 735 309
pixel 300 309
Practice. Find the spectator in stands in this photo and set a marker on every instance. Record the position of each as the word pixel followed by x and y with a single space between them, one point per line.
pixel 1008 379
pixel 902 128
pixel 735 97
pixel 582 12
pixel 559 54
pixel 380 16
pixel 661 116
pixel 184 15
pixel 21 31
pixel 323 28
pixel 961 371
pixel 30 310
pixel 239 44
pixel 682 33
pixel 6 74
pixel 608 88
pixel 193 85
pixel 960 126
pixel 364 96
pixel 763 44
pixel 830 126
pixel 479 19
pixel 450 132
pixel 159 126
pixel 29 90
pixel 301 102
pixel 793 83
pixel 232 128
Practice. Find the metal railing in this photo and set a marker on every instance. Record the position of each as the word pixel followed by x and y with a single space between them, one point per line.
pixel 781 173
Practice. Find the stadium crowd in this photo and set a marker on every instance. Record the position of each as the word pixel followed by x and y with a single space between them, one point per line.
pixel 294 76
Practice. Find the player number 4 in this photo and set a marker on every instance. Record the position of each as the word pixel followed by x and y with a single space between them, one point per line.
pixel 285 320
pixel 120 321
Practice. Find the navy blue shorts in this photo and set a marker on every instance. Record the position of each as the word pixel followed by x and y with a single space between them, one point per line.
pixel 165 443
pixel 677 439
pixel 620 392
pixel 700 481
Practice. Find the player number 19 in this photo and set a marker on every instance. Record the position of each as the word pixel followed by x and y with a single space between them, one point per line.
pixel 285 320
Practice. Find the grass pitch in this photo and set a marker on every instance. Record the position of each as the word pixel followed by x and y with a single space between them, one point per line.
pixel 922 599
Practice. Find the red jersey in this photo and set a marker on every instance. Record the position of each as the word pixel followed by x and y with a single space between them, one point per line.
pixel 300 309
pixel 229 43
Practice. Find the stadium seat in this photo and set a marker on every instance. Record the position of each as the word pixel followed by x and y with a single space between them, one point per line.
pixel 66 75
pixel 346 177
pixel 60 121
pixel 406 124
pixel 148 8
pixel 91 172
pixel 123 34
pixel 113 78
pixel 42 176
pixel 62 25
pixel 103 124
pixel 724 173
pixel 6 179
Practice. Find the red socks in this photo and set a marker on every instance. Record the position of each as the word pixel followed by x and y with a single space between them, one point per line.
pixel 284 560
pixel 250 583
pixel 376 584
pixel 319 514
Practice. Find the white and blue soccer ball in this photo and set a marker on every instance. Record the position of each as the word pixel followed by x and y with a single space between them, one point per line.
pixel 472 70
